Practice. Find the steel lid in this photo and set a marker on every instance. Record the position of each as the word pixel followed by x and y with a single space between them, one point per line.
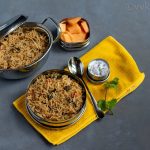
pixel 12 25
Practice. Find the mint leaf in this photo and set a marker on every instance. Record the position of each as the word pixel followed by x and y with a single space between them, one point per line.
pixel 102 104
pixel 110 104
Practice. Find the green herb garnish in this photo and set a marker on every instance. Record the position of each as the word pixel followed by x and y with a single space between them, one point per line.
pixel 105 105
pixel 112 84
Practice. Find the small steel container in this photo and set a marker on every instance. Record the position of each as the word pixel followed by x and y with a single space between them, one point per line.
pixel 57 124
pixel 78 45
pixel 98 71
pixel 25 71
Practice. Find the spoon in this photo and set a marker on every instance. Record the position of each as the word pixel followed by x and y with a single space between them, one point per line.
pixel 76 67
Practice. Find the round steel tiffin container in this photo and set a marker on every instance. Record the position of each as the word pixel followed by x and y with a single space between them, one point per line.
pixel 28 70
pixel 78 45
pixel 57 124
pixel 98 78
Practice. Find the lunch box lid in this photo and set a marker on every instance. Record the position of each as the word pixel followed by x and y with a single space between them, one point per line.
pixel 12 25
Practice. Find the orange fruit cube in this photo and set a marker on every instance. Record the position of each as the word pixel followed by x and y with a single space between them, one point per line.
pixel 74 20
pixel 74 28
pixel 62 27
pixel 78 37
pixel 66 37
pixel 84 26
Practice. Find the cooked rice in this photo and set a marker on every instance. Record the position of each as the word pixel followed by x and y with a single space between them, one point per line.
pixel 22 47
pixel 55 97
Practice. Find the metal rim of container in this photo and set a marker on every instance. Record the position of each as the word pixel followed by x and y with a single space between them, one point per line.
pixel 66 121
pixel 56 127
pixel 77 45
pixel 92 76
pixel 97 81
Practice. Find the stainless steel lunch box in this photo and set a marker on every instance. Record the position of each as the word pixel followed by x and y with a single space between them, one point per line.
pixel 75 46
pixel 58 124
pixel 26 71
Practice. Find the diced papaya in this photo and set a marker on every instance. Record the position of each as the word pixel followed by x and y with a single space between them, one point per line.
pixel 74 20
pixel 66 37
pixel 84 26
pixel 62 27
pixel 78 37
pixel 62 37
pixel 74 28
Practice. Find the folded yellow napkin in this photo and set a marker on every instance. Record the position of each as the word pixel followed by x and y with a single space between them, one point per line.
pixel 122 65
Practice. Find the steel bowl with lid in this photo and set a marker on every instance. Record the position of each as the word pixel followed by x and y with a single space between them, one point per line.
pixel 62 123
pixel 12 25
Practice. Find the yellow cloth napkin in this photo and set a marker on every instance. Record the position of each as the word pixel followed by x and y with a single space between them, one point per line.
pixel 122 65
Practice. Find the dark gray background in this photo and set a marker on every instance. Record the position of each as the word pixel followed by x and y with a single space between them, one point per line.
pixel 129 22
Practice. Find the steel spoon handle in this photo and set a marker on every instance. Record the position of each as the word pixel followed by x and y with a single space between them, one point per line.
pixel 99 113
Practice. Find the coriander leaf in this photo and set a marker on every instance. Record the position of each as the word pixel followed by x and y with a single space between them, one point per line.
pixel 100 70
pixel 110 104
pixel 102 104
pixel 112 84
pixel 115 81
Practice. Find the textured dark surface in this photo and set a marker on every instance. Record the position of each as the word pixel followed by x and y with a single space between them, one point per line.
pixel 128 21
